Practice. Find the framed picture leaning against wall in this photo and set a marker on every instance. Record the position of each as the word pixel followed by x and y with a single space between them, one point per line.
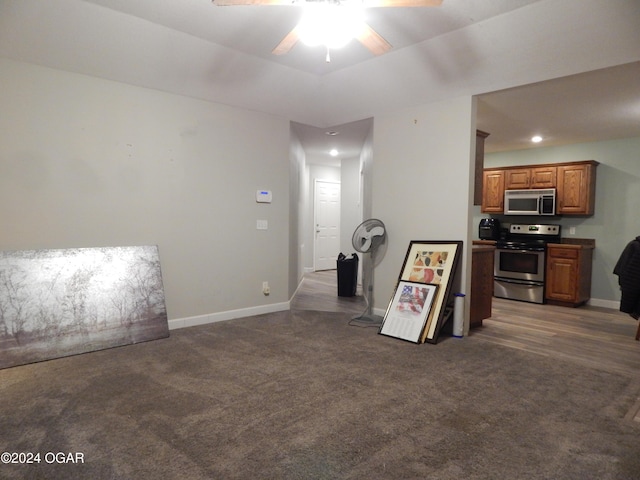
pixel 433 262
pixel 408 311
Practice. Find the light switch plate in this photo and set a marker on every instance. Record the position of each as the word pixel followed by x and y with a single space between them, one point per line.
pixel 262 225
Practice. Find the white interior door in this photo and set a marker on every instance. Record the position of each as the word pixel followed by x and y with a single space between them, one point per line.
pixel 327 224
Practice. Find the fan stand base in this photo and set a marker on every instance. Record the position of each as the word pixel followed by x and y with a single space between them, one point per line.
pixel 371 319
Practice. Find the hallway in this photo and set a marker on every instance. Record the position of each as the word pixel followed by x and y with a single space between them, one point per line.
pixel 319 291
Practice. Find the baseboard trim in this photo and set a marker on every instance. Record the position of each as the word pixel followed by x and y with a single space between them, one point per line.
pixel 300 282
pixel 599 302
pixel 279 307
pixel 176 323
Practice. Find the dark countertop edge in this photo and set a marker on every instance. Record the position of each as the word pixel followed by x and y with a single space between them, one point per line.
pixel 491 243
pixel 585 242
pixel 483 248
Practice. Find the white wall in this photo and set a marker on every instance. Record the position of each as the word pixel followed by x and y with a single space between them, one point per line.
pixel 422 179
pixel 87 162
pixel 615 221
pixel 366 195
pixel 366 166
pixel 296 211
pixel 350 206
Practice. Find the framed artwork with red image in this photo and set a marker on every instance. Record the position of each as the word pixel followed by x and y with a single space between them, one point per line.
pixel 433 262
pixel 408 311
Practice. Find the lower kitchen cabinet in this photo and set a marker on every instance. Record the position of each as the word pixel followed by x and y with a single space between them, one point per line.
pixel 481 284
pixel 568 278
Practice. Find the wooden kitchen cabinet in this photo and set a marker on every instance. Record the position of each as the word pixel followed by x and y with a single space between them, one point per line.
pixel 479 167
pixel 568 277
pixel 544 177
pixel 517 178
pixel 493 191
pixel 481 284
pixel 575 184
pixel 576 188
pixel 528 178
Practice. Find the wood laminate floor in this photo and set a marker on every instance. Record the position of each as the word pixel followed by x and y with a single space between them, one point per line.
pixel 319 291
pixel 595 337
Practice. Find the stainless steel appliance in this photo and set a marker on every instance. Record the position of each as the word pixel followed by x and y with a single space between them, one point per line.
pixel 530 202
pixel 519 269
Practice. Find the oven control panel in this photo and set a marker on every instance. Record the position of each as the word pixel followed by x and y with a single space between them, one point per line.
pixel 535 229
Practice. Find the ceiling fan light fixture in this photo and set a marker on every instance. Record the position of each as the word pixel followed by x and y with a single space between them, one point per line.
pixel 330 25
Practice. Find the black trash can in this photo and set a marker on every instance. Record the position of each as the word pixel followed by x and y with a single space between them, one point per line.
pixel 347 275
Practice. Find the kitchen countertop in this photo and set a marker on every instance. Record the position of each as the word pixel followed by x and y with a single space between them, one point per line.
pixel 491 243
pixel 576 242
pixel 567 242
pixel 483 248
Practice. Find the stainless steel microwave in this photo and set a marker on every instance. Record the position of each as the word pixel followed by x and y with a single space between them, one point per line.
pixel 530 202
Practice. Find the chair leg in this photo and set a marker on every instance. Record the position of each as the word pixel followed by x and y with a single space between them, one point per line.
pixel 638 332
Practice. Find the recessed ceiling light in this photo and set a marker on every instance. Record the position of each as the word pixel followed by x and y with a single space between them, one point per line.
pixel 536 139
pixel 332 133
pixel 333 152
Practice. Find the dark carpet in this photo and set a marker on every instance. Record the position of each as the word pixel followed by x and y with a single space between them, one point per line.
pixel 305 396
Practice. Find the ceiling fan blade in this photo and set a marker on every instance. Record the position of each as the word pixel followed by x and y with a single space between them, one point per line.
pixel 373 41
pixel 287 42
pixel 402 3
pixel 226 3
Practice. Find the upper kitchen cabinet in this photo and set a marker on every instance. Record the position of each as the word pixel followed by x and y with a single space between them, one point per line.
pixel 531 177
pixel 517 178
pixel 492 191
pixel 574 182
pixel 479 167
pixel 576 188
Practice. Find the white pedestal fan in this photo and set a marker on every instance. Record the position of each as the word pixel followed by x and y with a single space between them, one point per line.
pixel 367 238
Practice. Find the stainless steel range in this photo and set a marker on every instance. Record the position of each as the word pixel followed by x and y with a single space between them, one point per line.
pixel 520 261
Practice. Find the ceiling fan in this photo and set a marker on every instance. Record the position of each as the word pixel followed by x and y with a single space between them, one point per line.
pixel 366 35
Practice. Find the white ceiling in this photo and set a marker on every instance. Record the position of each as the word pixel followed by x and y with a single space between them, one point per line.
pixel 256 30
pixel 598 105
pixel 464 47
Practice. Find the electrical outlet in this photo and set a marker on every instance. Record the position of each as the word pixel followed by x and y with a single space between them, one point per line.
pixel 265 288
pixel 572 230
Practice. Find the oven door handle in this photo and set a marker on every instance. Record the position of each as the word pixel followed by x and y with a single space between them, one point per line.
pixel 518 250
pixel 529 283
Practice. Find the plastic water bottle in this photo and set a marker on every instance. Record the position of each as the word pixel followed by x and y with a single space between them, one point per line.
pixel 458 315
